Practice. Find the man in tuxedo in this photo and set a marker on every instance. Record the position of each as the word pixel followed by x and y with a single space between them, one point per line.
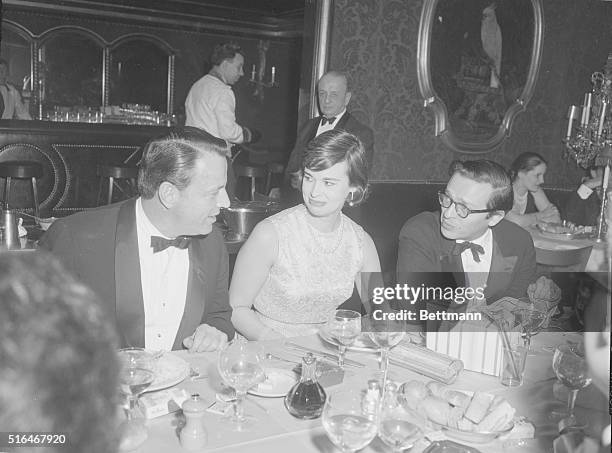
pixel 334 95
pixel 469 238
pixel 156 261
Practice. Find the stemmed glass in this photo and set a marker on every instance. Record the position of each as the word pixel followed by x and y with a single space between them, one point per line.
pixel 570 366
pixel 531 322
pixel 240 365
pixel 136 375
pixel 345 327
pixel 385 333
pixel 398 427
pixel 346 424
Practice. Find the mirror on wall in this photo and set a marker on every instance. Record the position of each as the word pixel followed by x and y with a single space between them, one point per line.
pixel 139 74
pixel 478 62
pixel 16 51
pixel 71 71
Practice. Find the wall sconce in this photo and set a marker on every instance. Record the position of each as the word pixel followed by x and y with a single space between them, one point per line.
pixel 258 72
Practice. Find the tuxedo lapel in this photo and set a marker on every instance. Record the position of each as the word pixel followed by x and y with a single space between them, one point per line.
pixel 195 300
pixel 502 268
pixel 341 124
pixel 129 305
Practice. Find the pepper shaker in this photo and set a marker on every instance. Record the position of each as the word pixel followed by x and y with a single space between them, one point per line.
pixel 193 436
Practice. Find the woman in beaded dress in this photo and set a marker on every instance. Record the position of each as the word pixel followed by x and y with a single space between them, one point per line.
pixel 300 264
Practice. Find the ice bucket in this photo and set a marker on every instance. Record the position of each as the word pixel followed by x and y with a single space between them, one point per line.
pixel 242 216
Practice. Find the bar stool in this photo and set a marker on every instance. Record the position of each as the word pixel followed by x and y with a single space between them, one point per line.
pixel 115 174
pixel 23 169
pixel 274 168
pixel 252 172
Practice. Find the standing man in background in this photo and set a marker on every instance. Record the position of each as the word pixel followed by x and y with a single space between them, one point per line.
pixel 211 104
pixel 11 105
pixel 334 95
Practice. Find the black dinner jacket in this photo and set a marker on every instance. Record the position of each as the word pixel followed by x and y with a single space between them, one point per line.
pixel 309 129
pixel 100 247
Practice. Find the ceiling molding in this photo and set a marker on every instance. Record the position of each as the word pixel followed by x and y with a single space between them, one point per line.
pixel 177 14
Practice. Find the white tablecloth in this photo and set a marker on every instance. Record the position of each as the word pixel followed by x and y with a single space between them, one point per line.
pixel 277 431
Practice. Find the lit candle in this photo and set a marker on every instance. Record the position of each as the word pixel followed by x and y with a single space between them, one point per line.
pixel 273 74
pixel 587 109
pixel 602 118
pixel 253 73
pixel 572 114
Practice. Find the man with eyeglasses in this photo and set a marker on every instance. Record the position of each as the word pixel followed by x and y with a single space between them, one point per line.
pixel 469 236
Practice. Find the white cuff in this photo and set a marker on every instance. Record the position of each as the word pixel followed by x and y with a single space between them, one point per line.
pixel 584 192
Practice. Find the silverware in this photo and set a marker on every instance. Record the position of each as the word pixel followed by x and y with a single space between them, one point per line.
pixel 325 355
pixel 270 356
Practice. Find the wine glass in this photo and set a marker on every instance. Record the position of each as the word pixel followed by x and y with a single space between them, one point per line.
pixel 345 327
pixel 385 333
pixel 240 365
pixel 345 422
pixel 569 364
pixel 136 375
pixel 398 427
pixel 531 322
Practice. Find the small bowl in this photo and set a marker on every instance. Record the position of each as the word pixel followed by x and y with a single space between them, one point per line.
pixel 46 223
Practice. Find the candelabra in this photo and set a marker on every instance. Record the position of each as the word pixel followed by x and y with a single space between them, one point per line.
pixel 258 73
pixel 590 142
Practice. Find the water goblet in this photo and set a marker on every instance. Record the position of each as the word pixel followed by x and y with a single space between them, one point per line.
pixel 569 364
pixel 398 427
pixel 345 423
pixel 240 365
pixel 345 327
pixel 386 333
pixel 136 375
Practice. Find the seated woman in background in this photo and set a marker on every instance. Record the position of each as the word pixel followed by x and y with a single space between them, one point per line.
pixel 299 265
pixel 531 205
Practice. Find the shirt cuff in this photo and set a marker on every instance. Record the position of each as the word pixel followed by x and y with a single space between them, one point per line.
pixel 584 192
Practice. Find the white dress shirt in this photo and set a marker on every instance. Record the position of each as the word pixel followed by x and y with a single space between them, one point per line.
pixel 164 277
pixel 329 126
pixel 478 272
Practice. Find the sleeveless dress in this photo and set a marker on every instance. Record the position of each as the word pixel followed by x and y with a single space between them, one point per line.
pixel 313 274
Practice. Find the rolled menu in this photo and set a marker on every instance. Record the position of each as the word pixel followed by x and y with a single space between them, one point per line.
pixel 422 360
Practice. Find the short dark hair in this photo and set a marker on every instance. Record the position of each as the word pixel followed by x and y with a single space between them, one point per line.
pixel 489 172
pixel 173 157
pixel 58 354
pixel 335 146
pixel 225 51
pixel 525 162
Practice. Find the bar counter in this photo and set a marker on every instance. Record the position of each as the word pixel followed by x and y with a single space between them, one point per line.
pixel 70 154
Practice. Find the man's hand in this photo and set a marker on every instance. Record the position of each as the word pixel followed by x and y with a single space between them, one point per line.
pixel 593 183
pixel 205 338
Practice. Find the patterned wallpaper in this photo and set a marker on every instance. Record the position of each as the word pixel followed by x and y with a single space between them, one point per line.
pixel 375 41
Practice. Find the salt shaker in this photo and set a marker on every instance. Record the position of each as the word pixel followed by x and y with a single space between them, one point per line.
pixel 193 436
pixel 371 400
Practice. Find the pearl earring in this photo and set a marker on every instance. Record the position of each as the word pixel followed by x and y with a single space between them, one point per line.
pixel 351 202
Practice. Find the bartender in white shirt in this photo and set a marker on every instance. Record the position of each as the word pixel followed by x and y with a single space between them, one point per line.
pixel 11 105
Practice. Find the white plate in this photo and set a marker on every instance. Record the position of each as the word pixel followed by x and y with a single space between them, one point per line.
pixel 277 384
pixel 169 370
pixel 362 342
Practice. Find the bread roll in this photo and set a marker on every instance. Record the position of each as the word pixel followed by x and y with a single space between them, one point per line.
pixel 479 406
pixel 465 425
pixel 457 399
pixel 436 389
pixel 413 392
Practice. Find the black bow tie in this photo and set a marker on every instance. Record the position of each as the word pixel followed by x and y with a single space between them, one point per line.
pixel 325 120
pixel 476 249
pixel 159 243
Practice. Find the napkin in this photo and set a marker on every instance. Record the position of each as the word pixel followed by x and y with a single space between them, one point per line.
pixel 435 365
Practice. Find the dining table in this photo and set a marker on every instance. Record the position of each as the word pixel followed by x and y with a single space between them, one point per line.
pixel 275 430
pixel 550 241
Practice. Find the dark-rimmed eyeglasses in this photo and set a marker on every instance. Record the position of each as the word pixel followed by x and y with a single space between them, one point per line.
pixel 462 210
